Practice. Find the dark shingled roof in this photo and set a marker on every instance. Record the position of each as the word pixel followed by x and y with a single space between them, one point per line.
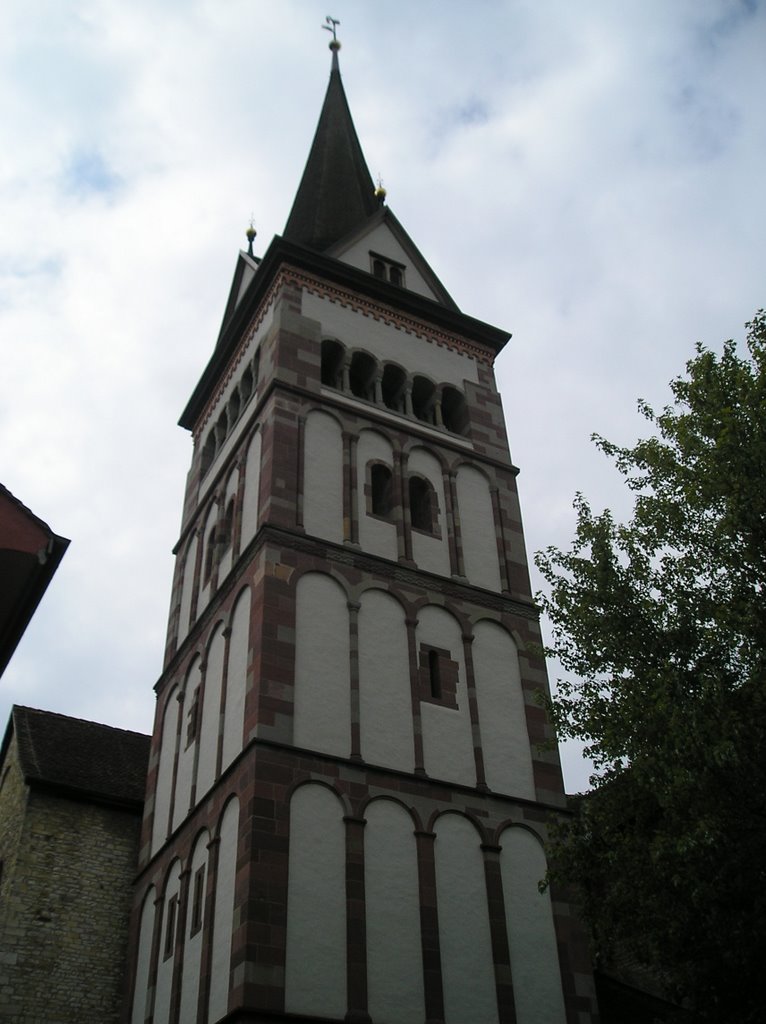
pixel 82 759
pixel 336 193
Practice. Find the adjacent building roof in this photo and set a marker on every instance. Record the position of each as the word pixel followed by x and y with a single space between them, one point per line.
pixel 80 759
pixel 336 193
pixel 30 553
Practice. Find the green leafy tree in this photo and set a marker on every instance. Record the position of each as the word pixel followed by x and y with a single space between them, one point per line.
pixel 660 626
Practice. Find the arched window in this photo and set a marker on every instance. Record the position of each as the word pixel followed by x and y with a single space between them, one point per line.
pixel 379 269
pixel 246 385
pixel 208 453
pixel 423 508
pixel 381 489
pixel 234 406
pixel 423 399
pixel 222 428
pixel 227 526
pixel 362 376
pixel 395 276
pixel 454 411
pixel 332 363
pixel 209 555
pixel 393 387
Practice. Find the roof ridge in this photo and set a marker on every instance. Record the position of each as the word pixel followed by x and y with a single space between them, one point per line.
pixel 76 718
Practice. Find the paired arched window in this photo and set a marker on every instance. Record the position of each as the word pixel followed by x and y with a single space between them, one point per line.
pixel 362 376
pixel 438 406
pixel 393 385
pixel 333 354
pixel 454 410
pixel 424 399
pixel 238 399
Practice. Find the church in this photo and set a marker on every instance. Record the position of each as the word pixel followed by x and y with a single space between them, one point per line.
pixel 350 775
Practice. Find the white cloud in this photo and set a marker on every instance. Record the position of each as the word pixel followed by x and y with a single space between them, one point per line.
pixel 586 175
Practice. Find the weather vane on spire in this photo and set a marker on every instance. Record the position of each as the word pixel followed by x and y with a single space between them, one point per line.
pixel 331 25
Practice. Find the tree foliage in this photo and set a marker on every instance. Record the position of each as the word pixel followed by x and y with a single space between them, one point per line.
pixel 660 625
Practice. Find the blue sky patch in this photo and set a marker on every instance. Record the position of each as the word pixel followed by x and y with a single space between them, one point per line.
pixel 88 174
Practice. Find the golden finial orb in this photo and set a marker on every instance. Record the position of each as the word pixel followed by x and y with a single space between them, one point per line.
pixel 250 234
pixel 380 192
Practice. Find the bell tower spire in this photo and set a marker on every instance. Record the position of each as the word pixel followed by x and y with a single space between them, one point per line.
pixel 336 193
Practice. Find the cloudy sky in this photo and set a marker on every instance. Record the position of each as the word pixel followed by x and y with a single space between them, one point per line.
pixel 586 175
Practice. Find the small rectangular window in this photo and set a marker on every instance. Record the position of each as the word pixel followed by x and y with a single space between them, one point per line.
pixel 439 676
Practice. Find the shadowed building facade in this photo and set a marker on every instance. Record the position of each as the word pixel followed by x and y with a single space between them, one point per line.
pixel 347 789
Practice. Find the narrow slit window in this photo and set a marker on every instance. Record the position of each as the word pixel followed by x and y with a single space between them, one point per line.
pixel 192 719
pixel 198 901
pixel 210 554
pixel 434 675
pixel 170 927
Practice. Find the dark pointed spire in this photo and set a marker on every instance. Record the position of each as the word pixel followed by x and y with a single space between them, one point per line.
pixel 336 193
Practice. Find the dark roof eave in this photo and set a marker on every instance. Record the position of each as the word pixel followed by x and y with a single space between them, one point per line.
pixel 85 795
pixel 281 252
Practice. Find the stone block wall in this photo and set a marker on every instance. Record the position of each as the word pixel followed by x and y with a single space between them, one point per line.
pixel 66 894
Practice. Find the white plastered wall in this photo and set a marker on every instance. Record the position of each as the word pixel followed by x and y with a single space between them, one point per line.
pixel 186 752
pixel 464 933
pixel 143 963
pixel 193 943
pixel 236 680
pixel 223 917
pixel 323 478
pixel 211 713
pixel 187 588
pixel 322 706
pixel 447 739
pixel 164 981
pixel 315 966
pixel 502 720
pixel 375 535
pixel 390 343
pixel 164 789
pixel 382 241
pixel 430 553
pixel 394 952
pixel 252 489
pixel 385 695
pixel 477 528
pixel 531 935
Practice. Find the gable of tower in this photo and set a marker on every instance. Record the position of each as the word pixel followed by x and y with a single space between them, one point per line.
pixel 383 248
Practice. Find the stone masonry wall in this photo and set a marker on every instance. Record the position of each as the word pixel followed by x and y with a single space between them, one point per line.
pixel 65 906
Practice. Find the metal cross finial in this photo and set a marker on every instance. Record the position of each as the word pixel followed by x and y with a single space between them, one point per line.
pixel 331 26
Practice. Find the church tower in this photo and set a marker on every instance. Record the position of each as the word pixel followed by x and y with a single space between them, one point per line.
pixel 348 788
